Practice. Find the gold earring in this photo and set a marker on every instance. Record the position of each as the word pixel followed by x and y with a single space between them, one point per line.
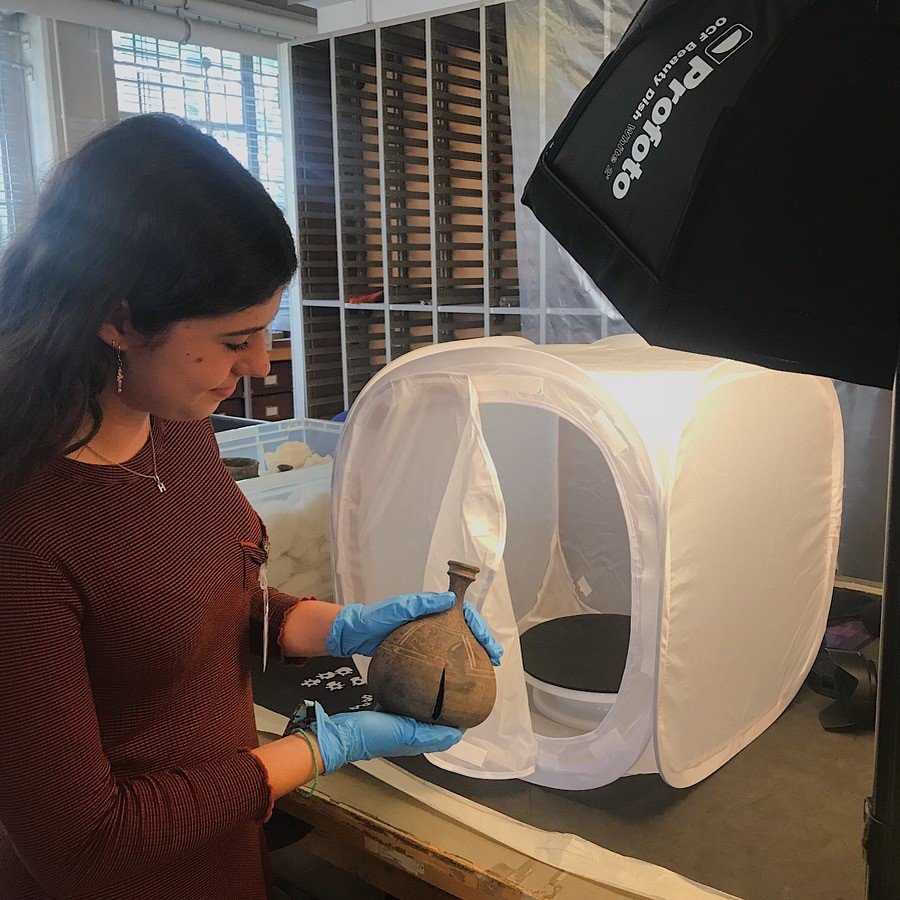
pixel 120 375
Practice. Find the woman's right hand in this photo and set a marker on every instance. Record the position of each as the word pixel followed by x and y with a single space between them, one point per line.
pixel 347 737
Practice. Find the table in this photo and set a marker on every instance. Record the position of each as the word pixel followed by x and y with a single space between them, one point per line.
pixel 376 832
pixel 781 820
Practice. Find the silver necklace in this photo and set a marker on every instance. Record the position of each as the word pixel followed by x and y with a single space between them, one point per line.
pixel 154 477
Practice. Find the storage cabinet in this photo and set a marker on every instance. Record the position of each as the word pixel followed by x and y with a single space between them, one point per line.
pixel 233 406
pixel 272 407
pixel 270 398
pixel 278 381
pixel 405 196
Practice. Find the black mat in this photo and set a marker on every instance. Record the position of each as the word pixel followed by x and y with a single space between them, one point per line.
pixel 547 652
pixel 781 820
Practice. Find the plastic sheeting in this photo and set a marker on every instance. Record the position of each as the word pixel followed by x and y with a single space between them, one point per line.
pixel 555 46
pixel 867 434
pixel 700 495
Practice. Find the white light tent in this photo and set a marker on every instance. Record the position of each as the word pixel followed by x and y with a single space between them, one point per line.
pixel 699 496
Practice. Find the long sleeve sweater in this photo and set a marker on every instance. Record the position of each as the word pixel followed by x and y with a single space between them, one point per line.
pixel 126 714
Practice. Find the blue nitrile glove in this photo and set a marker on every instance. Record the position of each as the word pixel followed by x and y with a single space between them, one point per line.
pixel 360 628
pixel 350 736
pixel 482 633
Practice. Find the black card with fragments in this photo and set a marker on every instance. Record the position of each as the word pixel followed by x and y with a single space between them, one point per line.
pixel 333 681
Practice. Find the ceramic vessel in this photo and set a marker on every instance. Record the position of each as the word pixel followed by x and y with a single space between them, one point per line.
pixel 433 669
pixel 241 467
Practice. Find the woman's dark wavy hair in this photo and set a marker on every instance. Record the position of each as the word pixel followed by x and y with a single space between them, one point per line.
pixel 153 212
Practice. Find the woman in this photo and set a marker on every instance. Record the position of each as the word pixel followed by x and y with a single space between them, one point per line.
pixel 129 560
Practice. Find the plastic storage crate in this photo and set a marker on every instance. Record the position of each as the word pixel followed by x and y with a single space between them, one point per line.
pixel 295 508
pixel 255 441
pixel 294 504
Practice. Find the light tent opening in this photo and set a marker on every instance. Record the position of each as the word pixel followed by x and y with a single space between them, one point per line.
pixel 567 563
pixel 656 534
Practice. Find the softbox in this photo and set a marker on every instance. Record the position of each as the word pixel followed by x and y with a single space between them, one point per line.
pixel 729 178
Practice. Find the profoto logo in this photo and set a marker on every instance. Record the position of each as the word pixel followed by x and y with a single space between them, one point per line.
pixel 735 37
pixel 651 131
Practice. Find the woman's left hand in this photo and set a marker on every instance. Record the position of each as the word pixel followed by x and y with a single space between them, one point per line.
pixel 360 628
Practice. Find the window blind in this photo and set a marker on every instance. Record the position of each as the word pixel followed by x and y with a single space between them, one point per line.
pixel 16 175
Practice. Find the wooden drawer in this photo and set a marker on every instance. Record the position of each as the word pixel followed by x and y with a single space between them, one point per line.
pixel 273 407
pixel 233 406
pixel 277 381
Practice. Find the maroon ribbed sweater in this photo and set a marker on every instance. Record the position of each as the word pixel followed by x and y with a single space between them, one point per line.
pixel 125 702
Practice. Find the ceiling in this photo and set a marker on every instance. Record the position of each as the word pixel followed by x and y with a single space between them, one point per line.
pixel 293 9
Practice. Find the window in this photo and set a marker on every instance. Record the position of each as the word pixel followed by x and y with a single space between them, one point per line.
pixel 16 178
pixel 405 199
pixel 231 96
